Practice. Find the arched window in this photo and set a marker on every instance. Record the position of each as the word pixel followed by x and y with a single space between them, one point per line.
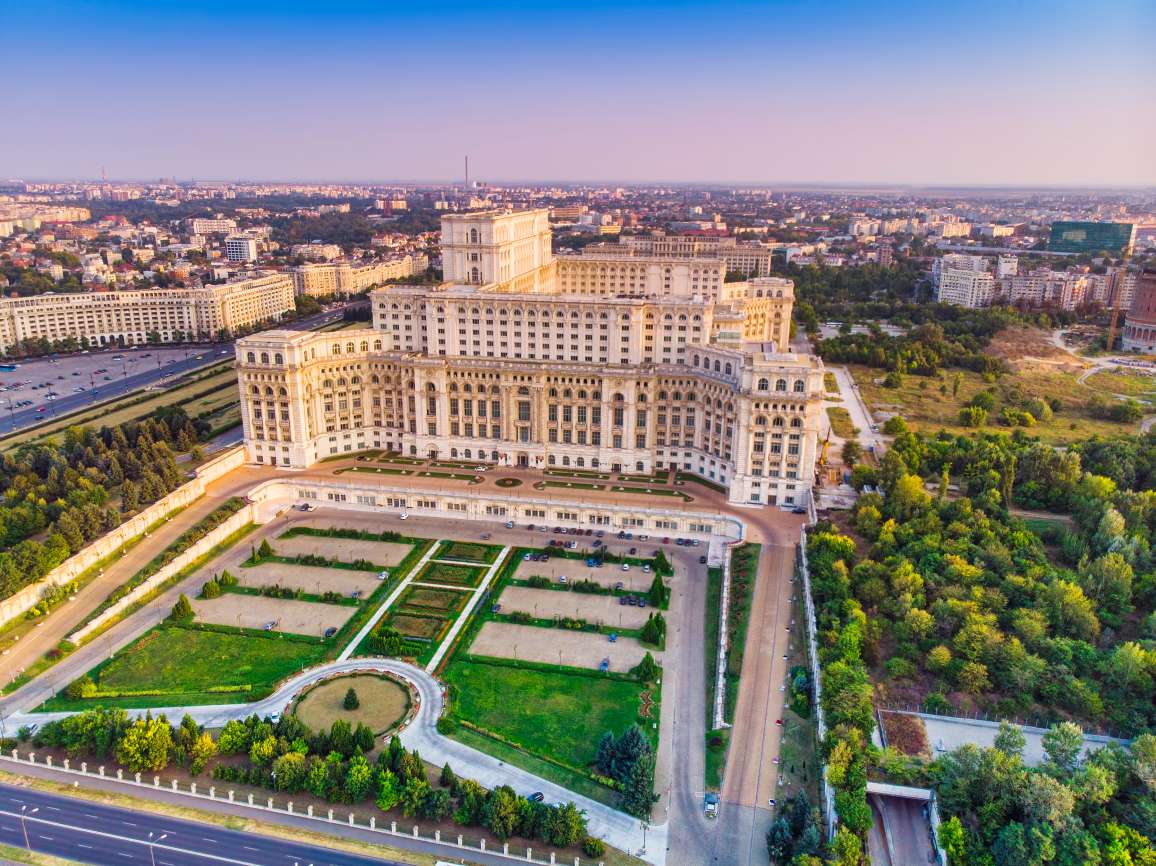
pixel 475 275
pixel 264 357
pixel 796 422
pixel 764 384
pixel 430 387
pixel 781 385
pixel 268 391
pixel 365 345
pixel 761 421
pixel 729 369
pixel 251 357
pixel 278 358
pixel 377 345
pixel 551 460
pixel 281 392
pixel 800 386
pixel 473 236
pixel 717 366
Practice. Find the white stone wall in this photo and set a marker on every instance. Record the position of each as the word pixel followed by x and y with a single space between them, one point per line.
pixel 27 598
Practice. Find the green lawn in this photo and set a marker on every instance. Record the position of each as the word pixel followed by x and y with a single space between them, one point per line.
pixel 841 422
pixel 177 666
pixel 547 713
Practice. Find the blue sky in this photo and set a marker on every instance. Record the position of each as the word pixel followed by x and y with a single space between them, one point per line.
pixel 971 93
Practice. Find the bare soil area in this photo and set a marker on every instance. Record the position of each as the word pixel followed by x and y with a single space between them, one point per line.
pixel 558 646
pixel 342 549
pixel 546 603
pixel 255 611
pixel 309 578
pixel 1032 347
pixel 383 703
pixel 608 575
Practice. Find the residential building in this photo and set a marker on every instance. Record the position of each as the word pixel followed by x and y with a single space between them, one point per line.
pixel 241 248
pixel 328 252
pixel 146 315
pixel 502 364
pixel 206 226
pixel 347 278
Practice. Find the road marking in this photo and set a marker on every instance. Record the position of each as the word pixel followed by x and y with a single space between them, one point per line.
pixel 49 838
pixel 250 848
pixel 128 823
pixel 82 845
pixel 155 845
pixel 51 809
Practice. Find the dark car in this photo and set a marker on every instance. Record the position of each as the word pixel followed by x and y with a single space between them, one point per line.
pixel 331 631
pixel 536 797
pixel 702 560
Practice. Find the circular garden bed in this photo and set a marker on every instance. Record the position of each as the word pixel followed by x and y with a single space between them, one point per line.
pixel 509 482
pixel 383 702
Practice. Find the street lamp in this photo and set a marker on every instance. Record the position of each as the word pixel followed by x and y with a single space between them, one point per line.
pixel 645 826
pixel 152 843
pixel 24 813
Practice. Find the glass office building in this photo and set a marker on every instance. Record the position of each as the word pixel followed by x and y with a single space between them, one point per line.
pixel 1081 237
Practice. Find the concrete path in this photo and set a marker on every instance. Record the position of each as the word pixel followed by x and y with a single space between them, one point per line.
pixel 385 605
pixel 616 828
pixel 464 616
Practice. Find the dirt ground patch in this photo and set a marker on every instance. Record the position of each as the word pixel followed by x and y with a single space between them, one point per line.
pixel 608 575
pixel 546 603
pixel 558 646
pixel 254 611
pixel 310 578
pixel 383 703
pixel 1032 347
pixel 342 549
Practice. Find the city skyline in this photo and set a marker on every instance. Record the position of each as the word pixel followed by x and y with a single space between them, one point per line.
pixel 644 93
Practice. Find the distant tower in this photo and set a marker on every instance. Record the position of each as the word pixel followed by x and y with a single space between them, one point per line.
pixel 103 174
pixel 467 172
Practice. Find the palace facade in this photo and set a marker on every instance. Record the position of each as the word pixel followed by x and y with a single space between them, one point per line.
pixel 499 364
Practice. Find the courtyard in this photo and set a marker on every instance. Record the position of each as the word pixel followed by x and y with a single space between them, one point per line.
pixel 308 578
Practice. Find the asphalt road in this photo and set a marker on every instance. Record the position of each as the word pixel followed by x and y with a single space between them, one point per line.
pixel 94 833
pixel 132 373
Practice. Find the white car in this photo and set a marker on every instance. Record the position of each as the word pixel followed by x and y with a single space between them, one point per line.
pixel 480 468
pixel 626 566
pixel 404 516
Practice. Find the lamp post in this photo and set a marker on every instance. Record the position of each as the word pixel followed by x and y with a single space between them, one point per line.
pixel 645 826
pixel 24 813
pixel 152 843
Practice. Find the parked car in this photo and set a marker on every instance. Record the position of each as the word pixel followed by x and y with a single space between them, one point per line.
pixel 331 631
pixel 509 524
pixel 626 566
pixel 702 560
pixel 536 797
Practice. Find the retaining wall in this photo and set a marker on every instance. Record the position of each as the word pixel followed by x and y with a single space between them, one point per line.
pixel 21 602
pixel 212 539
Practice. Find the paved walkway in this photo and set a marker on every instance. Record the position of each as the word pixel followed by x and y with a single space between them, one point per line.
pixel 459 624
pixel 616 828
pixel 388 603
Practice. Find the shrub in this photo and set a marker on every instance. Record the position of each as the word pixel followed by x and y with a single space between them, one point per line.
pixel 593 847
pixel 211 589
pixel 446 725
pixel 182 610
pixel 351 701
pixel 83 687
pixel 537 581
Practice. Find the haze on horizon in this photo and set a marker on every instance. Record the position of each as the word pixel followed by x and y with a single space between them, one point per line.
pixel 1026 94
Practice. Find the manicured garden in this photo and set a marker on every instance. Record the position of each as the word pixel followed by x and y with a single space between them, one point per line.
pixel 468 552
pixel 558 714
pixel 451 575
pixel 175 665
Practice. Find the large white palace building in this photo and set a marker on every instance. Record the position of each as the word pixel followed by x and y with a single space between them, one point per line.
pixel 631 364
